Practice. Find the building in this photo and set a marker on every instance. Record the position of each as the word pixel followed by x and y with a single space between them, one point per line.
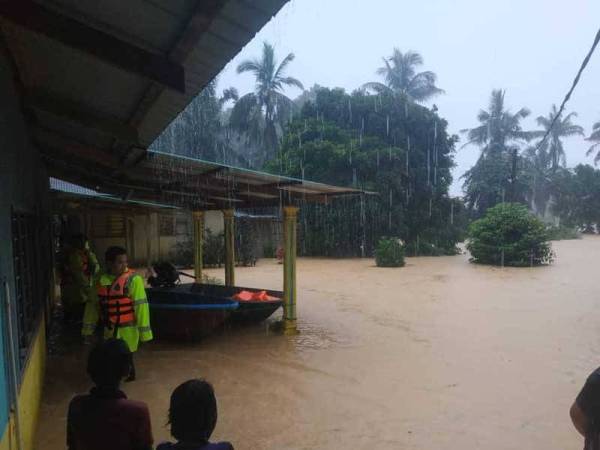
pixel 86 87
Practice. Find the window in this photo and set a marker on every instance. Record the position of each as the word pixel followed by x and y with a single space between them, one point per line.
pixel 32 265
pixel 108 226
pixel 166 225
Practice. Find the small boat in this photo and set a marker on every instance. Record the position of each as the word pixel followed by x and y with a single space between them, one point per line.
pixel 180 312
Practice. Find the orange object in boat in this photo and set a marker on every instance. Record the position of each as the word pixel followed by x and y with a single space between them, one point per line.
pixel 247 296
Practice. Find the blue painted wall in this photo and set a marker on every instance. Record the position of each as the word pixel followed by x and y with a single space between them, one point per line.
pixel 23 186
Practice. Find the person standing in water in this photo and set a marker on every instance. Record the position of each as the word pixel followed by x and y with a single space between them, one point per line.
pixel 78 278
pixel 122 307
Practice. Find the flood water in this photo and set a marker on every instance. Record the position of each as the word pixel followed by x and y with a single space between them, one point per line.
pixel 439 354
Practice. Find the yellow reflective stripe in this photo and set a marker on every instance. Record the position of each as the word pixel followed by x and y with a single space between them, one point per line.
pixel 144 329
pixel 140 302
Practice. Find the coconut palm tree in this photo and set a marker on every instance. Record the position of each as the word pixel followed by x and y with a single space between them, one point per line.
pixel 261 114
pixel 553 146
pixel 499 128
pixel 595 138
pixel 401 77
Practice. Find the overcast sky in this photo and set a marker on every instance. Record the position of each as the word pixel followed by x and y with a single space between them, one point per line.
pixel 531 48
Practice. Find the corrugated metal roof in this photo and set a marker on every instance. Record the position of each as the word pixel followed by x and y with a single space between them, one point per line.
pixel 200 36
pixel 196 184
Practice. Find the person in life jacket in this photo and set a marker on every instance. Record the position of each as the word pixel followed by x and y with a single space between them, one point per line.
pixel 122 307
pixel 78 278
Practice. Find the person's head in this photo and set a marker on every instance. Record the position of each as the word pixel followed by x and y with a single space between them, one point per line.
pixel 193 411
pixel 79 241
pixel 109 362
pixel 116 260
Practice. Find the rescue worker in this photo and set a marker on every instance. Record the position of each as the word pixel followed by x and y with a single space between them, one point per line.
pixel 78 278
pixel 122 307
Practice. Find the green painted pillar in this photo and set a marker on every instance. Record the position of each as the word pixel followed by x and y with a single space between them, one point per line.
pixel 228 225
pixel 290 215
pixel 198 242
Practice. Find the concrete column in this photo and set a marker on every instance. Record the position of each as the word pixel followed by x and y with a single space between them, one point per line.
pixel 198 241
pixel 290 215
pixel 228 227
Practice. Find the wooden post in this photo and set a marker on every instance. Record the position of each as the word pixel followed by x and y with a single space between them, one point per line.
pixel 198 242
pixel 290 214
pixel 228 225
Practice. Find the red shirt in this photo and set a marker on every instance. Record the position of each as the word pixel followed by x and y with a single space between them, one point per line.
pixel 106 419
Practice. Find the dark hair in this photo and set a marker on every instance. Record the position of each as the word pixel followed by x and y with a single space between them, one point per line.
pixel 112 253
pixel 193 411
pixel 109 362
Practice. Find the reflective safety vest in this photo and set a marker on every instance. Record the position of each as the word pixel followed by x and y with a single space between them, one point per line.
pixel 116 307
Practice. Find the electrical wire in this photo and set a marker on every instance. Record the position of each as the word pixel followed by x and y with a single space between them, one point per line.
pixel 568 96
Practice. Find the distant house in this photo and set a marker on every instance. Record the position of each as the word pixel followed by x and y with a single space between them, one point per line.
pixel 149 231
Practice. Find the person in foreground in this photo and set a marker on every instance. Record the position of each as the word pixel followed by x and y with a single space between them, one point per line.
pixel 585 412
pixel 193 417
pixel 105 418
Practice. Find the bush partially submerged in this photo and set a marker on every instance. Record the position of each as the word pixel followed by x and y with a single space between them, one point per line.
pixel 389 253
pixel 509 235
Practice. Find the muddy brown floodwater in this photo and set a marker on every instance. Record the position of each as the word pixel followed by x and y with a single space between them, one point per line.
pixel 438 354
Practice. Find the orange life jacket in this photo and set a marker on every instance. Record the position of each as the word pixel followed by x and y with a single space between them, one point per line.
pixel 116 306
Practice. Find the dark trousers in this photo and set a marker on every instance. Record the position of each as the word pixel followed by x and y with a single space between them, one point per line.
pixel 131 376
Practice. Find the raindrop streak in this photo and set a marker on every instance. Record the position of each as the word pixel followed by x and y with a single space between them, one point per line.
pixel 387 125
pixel 362 224
pixel 354 179
pixel 451 213
pixel 435 156
pixel 390 153
pixel 377 157
pixel 362 129
pixel 350 110
pixel 390 213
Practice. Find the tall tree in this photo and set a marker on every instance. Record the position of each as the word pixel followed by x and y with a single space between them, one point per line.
pixel 498 127
pixel 595 138
pixel 401 77
pixel 496 175
pixel 562 128
pixel 263 113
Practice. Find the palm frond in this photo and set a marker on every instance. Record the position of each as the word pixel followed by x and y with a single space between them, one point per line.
pixel 282 66
pixel 249 65
pixel 376 87
pixel 291 81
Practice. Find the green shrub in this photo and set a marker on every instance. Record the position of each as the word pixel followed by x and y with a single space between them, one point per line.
pixel 213 249
pixel 509 235
pixel 562 232
pixel 389 252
